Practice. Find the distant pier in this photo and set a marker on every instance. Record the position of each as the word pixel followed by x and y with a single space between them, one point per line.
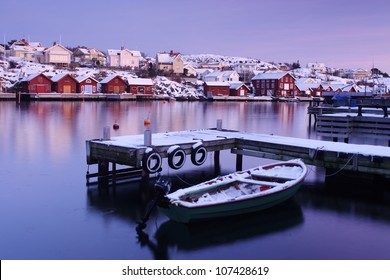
pixel 144 153
pixel 369 119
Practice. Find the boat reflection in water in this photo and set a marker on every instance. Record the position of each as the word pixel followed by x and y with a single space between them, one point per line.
pixel 201 235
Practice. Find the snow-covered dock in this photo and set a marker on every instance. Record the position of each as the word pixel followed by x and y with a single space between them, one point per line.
pixel 146 152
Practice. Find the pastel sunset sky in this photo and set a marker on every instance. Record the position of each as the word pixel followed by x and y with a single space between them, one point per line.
pixel 339 33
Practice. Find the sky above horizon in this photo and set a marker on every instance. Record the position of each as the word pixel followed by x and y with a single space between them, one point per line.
pixel 339 33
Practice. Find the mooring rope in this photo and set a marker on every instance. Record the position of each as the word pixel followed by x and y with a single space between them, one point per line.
pixel 341 169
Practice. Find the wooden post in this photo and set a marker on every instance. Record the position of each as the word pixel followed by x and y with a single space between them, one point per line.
pixel 114 173
pixel 106 133
pixel 239 162
pixel 217 164
pixel 219 124
pixel 103 173
pixel 147 137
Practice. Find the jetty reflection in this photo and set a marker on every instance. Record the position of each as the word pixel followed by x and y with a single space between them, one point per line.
pixel 201 235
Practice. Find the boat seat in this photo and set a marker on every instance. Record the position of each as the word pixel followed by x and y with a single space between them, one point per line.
pixel 258 182
pixel 273 178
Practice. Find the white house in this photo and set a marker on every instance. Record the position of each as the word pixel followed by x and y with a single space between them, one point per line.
pixel 58 55
pixel 318 67
pixel 203 72
pixel 124 58
pixel 189 70
pixel 222 76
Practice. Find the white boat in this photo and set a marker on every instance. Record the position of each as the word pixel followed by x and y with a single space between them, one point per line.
pixel 237 193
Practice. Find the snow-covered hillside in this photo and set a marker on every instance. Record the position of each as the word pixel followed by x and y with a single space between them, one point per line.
pixel 226 61
pixel 15 69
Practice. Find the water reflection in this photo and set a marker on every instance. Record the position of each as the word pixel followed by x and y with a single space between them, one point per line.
pixel 42 187
pixel 201 235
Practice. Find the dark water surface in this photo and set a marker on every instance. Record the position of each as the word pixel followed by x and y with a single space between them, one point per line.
pixel 47 212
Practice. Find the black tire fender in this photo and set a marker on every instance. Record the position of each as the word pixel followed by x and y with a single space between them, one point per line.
pixel 174 152
pixel 198 150
pixel 151 161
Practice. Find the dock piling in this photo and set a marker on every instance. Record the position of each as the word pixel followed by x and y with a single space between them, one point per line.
pixel 106 133
pixel 219 124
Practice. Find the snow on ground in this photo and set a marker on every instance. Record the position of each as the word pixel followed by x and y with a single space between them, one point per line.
pixel 14 69
pixel 226 61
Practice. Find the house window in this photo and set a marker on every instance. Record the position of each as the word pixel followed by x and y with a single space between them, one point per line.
pixel 116 81
pixel 40 79
pixel 141 89
pixel 110 88
pixel 281 85
pixel 88 81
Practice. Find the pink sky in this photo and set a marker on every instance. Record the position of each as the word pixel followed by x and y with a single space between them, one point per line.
pixel 343 33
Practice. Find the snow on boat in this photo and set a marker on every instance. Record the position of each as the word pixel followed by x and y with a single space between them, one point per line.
pixel 237 193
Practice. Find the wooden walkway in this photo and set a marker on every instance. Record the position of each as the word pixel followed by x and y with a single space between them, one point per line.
pixel 131 150
pixel 369 120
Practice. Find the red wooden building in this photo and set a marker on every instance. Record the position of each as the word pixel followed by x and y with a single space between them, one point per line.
pixel 274 84
pixel 216 89
pixel 113 84
pixel 239 89
pixel 140 86
pixel 86 84
pixel 64 83
pixel 36 83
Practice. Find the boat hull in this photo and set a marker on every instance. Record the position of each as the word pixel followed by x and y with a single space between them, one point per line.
pixel 231 208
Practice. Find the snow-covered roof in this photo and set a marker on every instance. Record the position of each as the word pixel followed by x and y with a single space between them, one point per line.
pixel 109 78
pixel 166 57
pixel 203 70
pixel 237 85
pixel 214 74
pixel 81 78
pixel 60 46
pixel 140 81
pixel 113 52
pixel 270 76
pixel 217 84
pixel 83 50
pixel 58 77
pixel 31 76
pixel 228 73
pixel 35 44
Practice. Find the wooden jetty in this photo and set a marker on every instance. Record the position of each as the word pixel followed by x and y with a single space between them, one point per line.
pixel 145 152
pixel 369 119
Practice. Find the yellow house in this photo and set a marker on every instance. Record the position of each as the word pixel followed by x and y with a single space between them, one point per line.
pixel 170 62
pixel 58 55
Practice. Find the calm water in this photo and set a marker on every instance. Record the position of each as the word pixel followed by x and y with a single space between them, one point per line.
pixel 47 212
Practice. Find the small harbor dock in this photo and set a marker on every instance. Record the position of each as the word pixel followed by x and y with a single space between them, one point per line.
pixel 368 119
pixel 146 152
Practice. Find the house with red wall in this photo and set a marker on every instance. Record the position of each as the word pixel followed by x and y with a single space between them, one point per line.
pixel 86 84
pixel 113 84
pixel 238 89
pixel 216 88
pixel 274 84
pixel 63 83
pixel 36 83
pixel 140 86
